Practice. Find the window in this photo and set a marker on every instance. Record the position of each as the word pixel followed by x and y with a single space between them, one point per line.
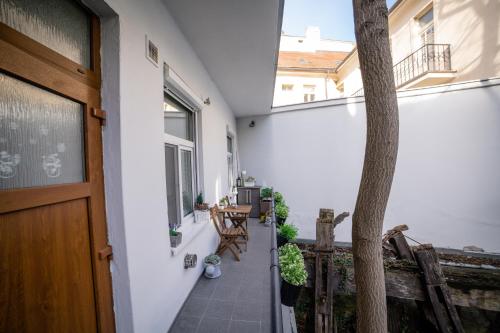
pixel 309 92
pixel 230 163
pixel 180 162
pixel 287 87
pixel 426 24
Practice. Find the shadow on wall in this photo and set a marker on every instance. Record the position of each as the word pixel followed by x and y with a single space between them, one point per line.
pixel 477 47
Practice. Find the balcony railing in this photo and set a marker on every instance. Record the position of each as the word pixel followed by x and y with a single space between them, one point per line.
pixel 430 58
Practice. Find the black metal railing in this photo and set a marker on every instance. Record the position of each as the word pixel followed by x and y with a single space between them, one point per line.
pixel 428 58
pixel 276 315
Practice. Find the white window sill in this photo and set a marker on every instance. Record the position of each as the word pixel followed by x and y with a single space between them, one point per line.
pixel 189 233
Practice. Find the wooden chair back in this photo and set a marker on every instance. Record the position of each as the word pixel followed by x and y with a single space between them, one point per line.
pixel 220 226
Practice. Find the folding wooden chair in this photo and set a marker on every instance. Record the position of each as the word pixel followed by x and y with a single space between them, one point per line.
pixel 238 220
pixel 228 236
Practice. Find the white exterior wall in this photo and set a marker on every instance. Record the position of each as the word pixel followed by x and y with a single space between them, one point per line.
pixel 149 284
pixel 447 182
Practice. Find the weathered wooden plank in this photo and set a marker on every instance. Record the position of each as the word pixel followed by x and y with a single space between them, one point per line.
pixel 324 271
pixel 437 290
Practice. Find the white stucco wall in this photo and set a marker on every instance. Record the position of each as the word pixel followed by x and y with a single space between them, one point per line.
pixel 324 88
pixel 149 284
pixel 447 182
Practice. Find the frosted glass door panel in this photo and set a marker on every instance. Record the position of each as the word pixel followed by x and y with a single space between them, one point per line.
pixel 41 137
pixel 62 25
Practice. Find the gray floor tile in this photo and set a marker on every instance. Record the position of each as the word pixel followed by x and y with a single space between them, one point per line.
pixel 250 311
pixel 195 306
pixel 185 324
pixel 213 325
pixel 237 326
pixel 220 309
pixel 237 301
pixel 226 292
pixel 204 288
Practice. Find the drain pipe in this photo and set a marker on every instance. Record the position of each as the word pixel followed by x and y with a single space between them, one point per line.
pixel 276 315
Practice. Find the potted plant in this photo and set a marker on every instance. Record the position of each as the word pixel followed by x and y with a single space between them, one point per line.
pixel 278 198
pixel 212 266
pixel 175 237
pixel 201 209
pixel 286 233
pixel 293 273
pixel 266 193
pixel 281 212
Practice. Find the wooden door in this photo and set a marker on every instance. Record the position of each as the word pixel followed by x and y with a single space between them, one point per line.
pixel 54 269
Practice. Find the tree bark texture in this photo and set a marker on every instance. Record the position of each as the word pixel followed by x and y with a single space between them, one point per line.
pixel 372 37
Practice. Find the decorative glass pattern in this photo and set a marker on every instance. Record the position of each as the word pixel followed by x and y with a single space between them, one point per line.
pixel 62 25
pixel 187 182
pixel 41 137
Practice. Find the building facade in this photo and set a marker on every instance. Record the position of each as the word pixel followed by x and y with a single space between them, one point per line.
pixel 307 68
pixel 436 42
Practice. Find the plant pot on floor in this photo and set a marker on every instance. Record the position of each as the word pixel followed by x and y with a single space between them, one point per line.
pixel 281 240
pixel 212 271
pixel 289 293
pixel 201 215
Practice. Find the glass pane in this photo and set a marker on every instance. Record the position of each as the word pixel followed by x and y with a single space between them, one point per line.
pixel 426 18
pixel 172 186
pixel 41 137
pixel 178 120
pixel 61 25
pixel 229 144
pixel 187 182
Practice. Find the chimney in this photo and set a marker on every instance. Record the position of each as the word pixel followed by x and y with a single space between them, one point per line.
pixel 313 38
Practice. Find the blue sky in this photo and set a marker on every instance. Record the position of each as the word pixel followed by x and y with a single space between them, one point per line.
pixel 333 17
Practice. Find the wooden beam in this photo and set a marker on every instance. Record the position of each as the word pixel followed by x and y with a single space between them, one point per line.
pixel 469 287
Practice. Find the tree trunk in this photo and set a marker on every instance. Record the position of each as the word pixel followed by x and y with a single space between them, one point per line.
pixel 372 36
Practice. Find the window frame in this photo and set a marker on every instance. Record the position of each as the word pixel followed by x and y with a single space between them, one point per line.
pixel 230 165
pixel 180 144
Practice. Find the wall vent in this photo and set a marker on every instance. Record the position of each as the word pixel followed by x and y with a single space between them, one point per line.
pixel 152 53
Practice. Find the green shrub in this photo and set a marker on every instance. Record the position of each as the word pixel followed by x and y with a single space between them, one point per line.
pixel 267 192
pixel 292 265
pixel 173 232
pixel 288 231
pixel 278 198
pixel 281 211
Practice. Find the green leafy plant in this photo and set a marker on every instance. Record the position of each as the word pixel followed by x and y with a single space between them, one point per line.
pixel 199 198
pixel 292 265
pixel 212 259
pixel 174 233
pixel 200 204
pixel 266 192
pixel 281 211
pixel 288 231
pixel 278 198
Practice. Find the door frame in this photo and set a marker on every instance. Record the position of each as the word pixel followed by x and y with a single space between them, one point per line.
pixel 27 60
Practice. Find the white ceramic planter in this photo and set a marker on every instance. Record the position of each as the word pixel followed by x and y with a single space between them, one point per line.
pixel 201 216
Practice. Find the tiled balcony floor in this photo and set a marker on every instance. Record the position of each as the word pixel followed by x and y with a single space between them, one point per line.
pixel 240 300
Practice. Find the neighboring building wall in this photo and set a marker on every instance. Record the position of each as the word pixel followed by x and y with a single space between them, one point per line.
pixel 471 27
pixel 312 42
pixel 149 284
pixel 446 187
pixel 324 87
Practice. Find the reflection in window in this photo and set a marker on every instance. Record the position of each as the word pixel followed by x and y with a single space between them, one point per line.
pixel 178 121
